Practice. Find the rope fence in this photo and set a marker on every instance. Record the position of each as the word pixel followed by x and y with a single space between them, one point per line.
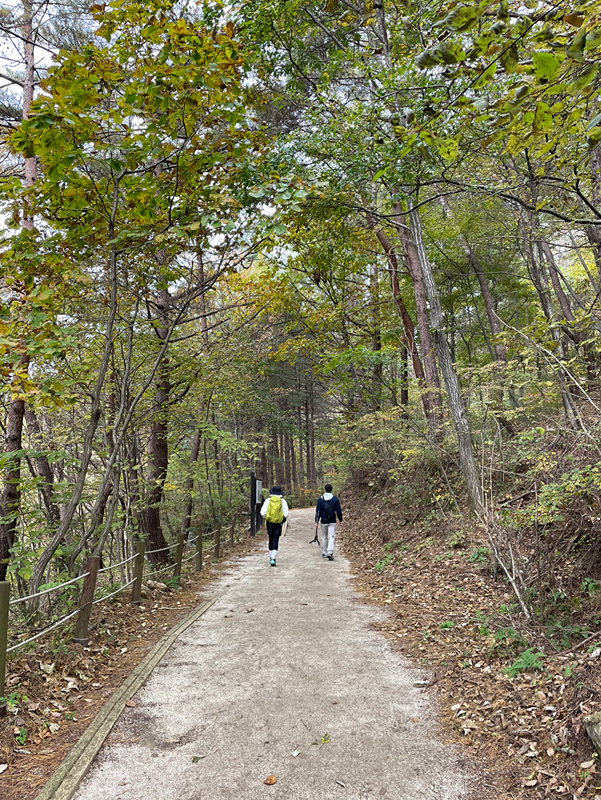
pixel 47 591
pixel 158 571
pixel 119 564
pixel 88 590
pixel 161 549
pixel 112 594
pixel 42 633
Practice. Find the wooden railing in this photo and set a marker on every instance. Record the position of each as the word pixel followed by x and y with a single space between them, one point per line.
pixel 135 575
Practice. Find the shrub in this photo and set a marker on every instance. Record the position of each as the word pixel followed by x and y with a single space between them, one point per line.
pixel 527 661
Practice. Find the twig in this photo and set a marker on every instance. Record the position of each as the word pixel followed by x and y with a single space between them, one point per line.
pixel 585 641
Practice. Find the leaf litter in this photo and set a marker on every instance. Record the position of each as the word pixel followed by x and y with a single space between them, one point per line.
pixel 511 698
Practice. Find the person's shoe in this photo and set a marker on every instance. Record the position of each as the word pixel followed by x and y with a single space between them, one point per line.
pixel 324 555
pixel 272 562
pixel 330 557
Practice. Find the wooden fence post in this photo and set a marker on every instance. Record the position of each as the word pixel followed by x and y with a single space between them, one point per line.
pixel 179 554
pixel 218 541
pixel 85 603
pixel 232 528
pixel 199 550
pixel 4 597
pixel 136 587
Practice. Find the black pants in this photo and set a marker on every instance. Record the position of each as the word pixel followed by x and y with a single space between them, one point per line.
pixel 274 530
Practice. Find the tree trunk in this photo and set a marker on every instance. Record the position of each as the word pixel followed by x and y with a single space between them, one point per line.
pixel 594 231
pixel 294 475
pixel 263 474
pixel 11 496
pixel 11 492
pixel 404 378
pixel 432 398
pixel 301 458
pixel 376 336
pixel 528 226
pixel 311 470
pixel 460 419
pixel 411 344
pixel 287 464
pixel 308 440
pixel 270 467
pixel 158 452
pixel 499 349
pixel 189 487
pixel 30 163
pixel 158 449
pixel 44 469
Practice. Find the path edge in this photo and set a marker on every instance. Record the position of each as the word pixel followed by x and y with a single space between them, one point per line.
pixel 66 779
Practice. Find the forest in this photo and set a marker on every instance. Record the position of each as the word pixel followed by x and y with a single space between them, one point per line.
pixel 346 241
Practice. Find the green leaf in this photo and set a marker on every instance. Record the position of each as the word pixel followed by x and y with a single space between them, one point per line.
pixel 577 46
pixel 25 573
pixel 594 122
pixel 583 80
pixel 545 65
pixel 379 174
pixel 543 119
pixel 510 59
pixel 461 18
pixel 427 59
pixel 450 52
pixel 486 76
pixel 594 136
pixel 448 148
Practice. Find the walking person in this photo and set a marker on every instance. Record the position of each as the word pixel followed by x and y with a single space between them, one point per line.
pixel 326 511
pixel 275 512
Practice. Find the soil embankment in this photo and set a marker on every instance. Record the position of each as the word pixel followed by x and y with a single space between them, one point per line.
pixel 509 694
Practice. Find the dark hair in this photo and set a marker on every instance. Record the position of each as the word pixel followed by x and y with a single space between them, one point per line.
pixel 276 490
pixel 328 487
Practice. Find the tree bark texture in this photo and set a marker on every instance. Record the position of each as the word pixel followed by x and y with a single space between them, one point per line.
pixel 287 463
pixel 432 398
pixel 44 470
pixel 189 486
pixel 456 404
pixel 11 495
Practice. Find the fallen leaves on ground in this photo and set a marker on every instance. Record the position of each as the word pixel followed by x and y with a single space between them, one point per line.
pixel 269 780
pixel 523 728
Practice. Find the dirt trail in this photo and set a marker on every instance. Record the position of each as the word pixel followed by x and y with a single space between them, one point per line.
pixel 285 661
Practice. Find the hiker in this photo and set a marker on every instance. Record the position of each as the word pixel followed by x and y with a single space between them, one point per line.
pixel 275 512
pixel 326 511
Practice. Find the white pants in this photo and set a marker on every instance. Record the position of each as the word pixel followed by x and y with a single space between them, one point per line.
pixel 328 534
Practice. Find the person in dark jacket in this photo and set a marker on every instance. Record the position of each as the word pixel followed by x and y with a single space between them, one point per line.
pixel 326 512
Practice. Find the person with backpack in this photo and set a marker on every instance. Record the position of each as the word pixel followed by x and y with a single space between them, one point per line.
pixel 275 512
pixel 326 511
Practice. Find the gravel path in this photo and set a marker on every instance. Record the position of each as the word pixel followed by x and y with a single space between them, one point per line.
pixel 284 662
